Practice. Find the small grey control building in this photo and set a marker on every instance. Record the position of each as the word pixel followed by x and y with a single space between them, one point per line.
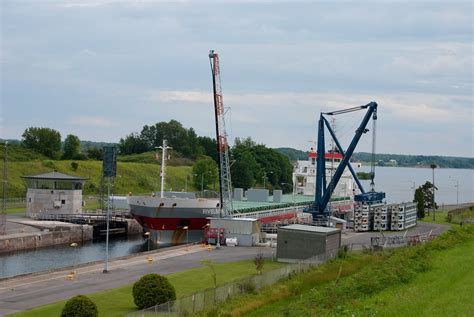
pixel 53 193
pixel 301 242
pixel 245 230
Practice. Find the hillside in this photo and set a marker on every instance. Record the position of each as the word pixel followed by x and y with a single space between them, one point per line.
pixel 131 177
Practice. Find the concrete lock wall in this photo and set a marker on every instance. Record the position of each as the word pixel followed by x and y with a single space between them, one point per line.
pixel 35 240
pixel 53 201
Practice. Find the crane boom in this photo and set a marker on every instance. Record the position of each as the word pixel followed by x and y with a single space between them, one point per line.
pixel 225 184
pixel 323 193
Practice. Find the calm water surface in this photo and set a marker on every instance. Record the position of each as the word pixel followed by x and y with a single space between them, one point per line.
pixel 397 182
pixel 22 262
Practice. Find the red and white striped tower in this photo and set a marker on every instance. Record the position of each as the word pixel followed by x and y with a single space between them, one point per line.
pixel 221 136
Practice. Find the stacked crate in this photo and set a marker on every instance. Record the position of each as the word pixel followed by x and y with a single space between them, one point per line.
pixel 382 217
pixel 364 215
pixel 404 216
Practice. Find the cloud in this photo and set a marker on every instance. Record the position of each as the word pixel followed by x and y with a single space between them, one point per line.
pixel 92 121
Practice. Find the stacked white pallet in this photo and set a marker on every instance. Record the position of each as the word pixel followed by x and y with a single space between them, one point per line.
pixel 404 216
pixel 382 217
pixel 364 215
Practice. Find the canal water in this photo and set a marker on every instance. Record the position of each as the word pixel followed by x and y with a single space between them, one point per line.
pixel 54 257
pixel 397 182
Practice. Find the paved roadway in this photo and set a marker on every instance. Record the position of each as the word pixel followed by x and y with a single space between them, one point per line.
pixel 23 292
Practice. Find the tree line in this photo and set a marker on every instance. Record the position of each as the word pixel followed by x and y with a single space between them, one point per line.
pixel 252 164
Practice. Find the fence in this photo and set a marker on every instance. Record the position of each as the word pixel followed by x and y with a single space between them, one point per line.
pixel 14 202
pixel 210 297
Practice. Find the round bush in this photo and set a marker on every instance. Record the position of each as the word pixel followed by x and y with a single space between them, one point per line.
pixel 80 306
pixel 151 290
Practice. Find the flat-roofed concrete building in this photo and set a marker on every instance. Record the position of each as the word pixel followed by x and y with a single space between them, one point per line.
pixel 302 242
pixel 53 193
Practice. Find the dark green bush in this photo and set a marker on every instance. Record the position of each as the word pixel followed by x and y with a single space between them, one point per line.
pixel 151 290
pixel 80 306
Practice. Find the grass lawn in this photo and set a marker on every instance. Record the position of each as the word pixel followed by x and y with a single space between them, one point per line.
pixel 440 216
pixel 119 301
pixel 445 290
pixel 16 210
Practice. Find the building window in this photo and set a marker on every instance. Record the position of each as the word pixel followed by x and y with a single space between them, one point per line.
pixel 63 202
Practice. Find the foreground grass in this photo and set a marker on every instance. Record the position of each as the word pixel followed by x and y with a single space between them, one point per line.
pixel 360 283
pixel 445 290
pixel 119 301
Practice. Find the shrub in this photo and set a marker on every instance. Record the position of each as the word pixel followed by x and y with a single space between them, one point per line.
pixel 74 166
pixel 80 306
pixel 151 290
pixel 259 262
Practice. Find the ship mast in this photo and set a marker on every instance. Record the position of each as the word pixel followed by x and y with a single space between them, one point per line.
pixel 225 183
pixel 164 156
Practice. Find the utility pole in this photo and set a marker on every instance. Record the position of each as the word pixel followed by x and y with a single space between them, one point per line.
pixel 3 214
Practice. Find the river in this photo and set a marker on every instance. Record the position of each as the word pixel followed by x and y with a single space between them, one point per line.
pixel 397 183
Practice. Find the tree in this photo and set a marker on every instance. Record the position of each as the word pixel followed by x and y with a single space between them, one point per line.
pixel 95 153
pixel 244 169
pixel 133 144
pixel 205 172
pixel 72 147
pixel 74 166
pixel 44 140
pixel 80 306
pixel 424 199
pixel 420 202
pixel 151 290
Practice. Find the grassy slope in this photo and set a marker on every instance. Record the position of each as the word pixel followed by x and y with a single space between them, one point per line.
pixel 446 290
pixel 132 177
pixel 358 284
pixel 119 301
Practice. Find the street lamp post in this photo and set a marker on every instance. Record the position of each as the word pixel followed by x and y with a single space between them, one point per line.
pixel 265 177
pixel 413 188
pixel 433 166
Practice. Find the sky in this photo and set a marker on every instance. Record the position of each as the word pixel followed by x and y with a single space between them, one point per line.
pixel 105 68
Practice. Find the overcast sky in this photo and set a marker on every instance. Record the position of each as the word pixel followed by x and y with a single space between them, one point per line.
pixel 102 69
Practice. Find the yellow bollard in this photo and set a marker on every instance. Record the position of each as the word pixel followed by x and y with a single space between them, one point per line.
pixel 149 259
pixel 71 275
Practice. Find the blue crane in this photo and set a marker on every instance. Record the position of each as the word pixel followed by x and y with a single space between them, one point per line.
pixel 323 191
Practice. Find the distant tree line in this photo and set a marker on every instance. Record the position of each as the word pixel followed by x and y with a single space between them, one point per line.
pixel 184 141
pixel 47 141
pixel 394 159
